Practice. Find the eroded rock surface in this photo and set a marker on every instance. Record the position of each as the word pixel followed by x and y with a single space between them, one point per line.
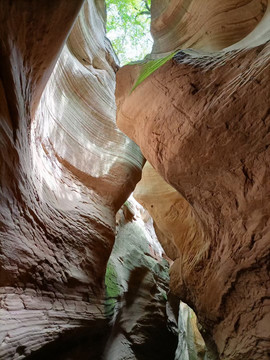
pixel 202 24
pixel 65 169
pixel 137 285
pixel 203 123
pixel 177 227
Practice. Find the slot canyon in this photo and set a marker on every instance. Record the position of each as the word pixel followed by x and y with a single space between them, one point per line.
pixel 134 216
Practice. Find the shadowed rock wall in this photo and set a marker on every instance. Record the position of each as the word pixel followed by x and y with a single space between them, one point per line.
pixel 137 282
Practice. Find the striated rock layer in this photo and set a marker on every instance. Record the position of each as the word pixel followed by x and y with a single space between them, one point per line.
pixel 65 169
pixel 79 107
pixel 202 121
pixel 208 25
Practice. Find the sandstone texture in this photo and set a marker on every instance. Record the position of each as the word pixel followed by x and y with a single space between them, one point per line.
pixel 81 279
pixel 148 321
pixel 65 169
pixel 183 239
pixel 202 121
pixel 191 344
pixel 137 283
pixel 208 25
pixel 176 225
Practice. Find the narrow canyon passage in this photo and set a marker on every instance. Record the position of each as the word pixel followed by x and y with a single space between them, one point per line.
pixel 134 200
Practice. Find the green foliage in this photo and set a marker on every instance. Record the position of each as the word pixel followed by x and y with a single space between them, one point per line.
pixel 128 28
pixel 111 281
pixel 150 66
pixel 164 296
pixel 112 289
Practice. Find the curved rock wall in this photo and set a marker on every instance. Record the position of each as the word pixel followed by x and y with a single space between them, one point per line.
pixel 65 169
pixel 176 225
pixel 202 121
pixel 208 25
pixel 79 107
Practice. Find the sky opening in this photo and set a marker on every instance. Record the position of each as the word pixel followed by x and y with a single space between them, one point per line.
pixel 128 28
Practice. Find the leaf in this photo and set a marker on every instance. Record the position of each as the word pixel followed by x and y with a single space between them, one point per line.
pixel 150 67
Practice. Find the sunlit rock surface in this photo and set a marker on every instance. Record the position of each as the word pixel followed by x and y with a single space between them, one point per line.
pixel 176 225
pixel 79 107
pixel 65 169
pixel 191 344
pixel 202 24
pixel 184 241
pixel 202 121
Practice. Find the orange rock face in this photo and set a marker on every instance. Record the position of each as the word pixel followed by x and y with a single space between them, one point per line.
pixel 203 122
pixel 176 225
